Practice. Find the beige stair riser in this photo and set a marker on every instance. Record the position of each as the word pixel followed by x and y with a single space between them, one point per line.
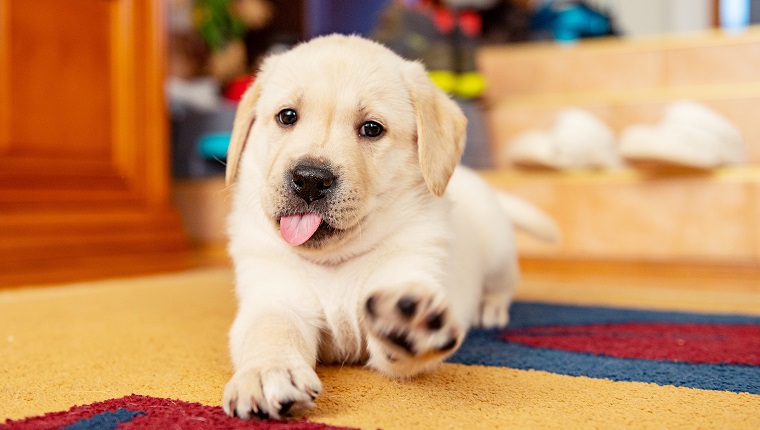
pixel 670 218
pixel 563 71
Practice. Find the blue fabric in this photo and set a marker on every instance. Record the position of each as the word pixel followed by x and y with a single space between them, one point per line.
pixel 214 146
pixel 485 347
pixel 109 420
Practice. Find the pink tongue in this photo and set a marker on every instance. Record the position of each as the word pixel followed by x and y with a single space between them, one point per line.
pixel 297 229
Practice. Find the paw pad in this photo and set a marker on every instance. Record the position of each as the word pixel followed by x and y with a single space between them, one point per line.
pixel 435 321
pixel 412 324
pixel 407 306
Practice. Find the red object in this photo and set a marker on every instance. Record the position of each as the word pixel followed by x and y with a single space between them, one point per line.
pixel 691 343
pixel 470 23
pixel 236 88
pixel 444 20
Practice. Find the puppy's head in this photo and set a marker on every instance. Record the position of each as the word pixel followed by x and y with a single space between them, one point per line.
pixel 336 128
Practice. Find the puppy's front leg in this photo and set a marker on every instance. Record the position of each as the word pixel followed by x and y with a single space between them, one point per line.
pixel 411 324
pixel 274 350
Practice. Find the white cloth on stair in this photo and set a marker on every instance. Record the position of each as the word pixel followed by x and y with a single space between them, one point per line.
pixel 576 140
pixel 690 134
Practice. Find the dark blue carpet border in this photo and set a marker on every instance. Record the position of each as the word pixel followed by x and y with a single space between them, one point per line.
pixel 484 347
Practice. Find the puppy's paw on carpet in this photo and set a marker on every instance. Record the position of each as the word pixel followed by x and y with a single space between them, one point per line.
pixel 272 391
pixel 409 329
pixel 494 310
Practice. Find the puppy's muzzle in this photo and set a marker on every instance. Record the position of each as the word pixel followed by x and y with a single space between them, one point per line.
pixel 311 182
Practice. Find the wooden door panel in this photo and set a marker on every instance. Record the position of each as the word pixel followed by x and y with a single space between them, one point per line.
pixel 71 111
pixel 84 169
pixel 60 79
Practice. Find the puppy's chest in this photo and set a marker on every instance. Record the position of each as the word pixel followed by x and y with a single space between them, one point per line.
pixel 341 339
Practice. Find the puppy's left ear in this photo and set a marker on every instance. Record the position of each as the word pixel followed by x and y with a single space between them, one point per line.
pixel 244 118
pixel 441 128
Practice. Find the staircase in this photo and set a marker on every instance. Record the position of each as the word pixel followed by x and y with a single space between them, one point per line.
pixel 631 215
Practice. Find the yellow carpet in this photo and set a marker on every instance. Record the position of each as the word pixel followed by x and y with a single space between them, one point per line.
pixel 165 336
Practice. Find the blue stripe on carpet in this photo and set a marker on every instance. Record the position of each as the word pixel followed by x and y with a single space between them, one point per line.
pixel 108 420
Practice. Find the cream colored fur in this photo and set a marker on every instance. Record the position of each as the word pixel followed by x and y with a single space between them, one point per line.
pixel 408 227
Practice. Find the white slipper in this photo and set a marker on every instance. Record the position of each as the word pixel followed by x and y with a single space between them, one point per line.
pixel 689 135
pixel 577 140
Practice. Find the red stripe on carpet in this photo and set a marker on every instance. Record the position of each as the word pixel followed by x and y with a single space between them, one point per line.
pixel 158 414
pixel 678 342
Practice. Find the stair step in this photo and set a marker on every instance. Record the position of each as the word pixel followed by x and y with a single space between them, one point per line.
pixel 737 102
pixel 622 81
pixel 621 64
pixel 630 215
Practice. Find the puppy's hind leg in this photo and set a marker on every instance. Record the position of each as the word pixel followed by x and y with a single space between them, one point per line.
pixel 497 295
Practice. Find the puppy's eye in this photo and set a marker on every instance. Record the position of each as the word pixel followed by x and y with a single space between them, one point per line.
pixel 371 129
pixel 287 117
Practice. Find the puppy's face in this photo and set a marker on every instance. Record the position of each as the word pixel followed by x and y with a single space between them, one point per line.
pixel 333 134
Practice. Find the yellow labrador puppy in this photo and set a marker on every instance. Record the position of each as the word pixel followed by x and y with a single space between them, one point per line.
pixel 355 236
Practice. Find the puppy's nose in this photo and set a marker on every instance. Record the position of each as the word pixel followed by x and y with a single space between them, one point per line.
pixel 311 182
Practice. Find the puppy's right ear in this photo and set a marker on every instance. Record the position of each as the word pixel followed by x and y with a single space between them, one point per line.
pixel 244 118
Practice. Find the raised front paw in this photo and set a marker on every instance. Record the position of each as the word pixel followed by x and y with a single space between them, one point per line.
pixel 271 391
pixel 409 330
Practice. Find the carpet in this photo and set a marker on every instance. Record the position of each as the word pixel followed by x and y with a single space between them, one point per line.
pixel 151 353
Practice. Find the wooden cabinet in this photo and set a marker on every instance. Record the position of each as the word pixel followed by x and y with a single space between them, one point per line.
pixel 84 179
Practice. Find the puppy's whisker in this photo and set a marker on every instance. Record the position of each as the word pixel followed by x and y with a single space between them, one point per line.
pixel 358 222
pixel 253 197
pixel 387 198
